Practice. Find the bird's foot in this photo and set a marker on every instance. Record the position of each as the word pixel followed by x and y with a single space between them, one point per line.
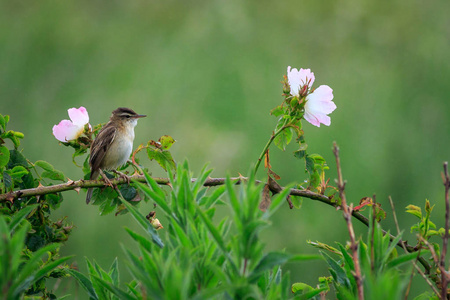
pixel 106 179
pixel 123 176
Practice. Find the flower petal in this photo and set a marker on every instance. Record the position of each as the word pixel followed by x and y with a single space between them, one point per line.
pixel 297 79
pixel 66 131
pixel 311 119
pixel 321 100
pixel 293 80
pixel 79 116
pixel 307 77
pixel 318 105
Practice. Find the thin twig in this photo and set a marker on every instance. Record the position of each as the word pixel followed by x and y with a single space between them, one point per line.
pixel 436 261
pixel 372 234
pixel 446 181
pixel 348 218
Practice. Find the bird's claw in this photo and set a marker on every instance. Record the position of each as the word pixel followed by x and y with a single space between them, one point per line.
pixel 123 176
pixel 106 179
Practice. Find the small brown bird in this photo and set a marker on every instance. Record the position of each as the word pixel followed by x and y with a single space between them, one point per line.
pixel 113 145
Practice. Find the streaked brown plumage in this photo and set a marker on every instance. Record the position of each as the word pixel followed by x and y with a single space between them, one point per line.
pixel 114 143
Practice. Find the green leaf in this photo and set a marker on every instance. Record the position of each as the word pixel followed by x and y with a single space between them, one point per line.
pixel 115 290
pixel 7 180
pixel 54 175
pixel 300 154
pixel 144 223
pixel 19 216
pixel 211 199
pixel 140 239
pixel 317 158
pixel 277 111
pixel 4 156
pixel 414 210
pixel 17 159
pixel 94 273
pixel 128 192
pixel 347 257
pixel 162 157
pixel 2 122
pixel 18 172
pixel 13 137
pixel 154 193
pixel 107 206
pixel 283 138
pixel 311 294
pixel 301 287
pixel 181 235
pixel 297 201
pixel 166 142
pixel 85 283
pixel 101 195
pixel 406 258
pixel 269 261
pixel 44 165
pixel 218 238
pixel 338 273
pixel 309 163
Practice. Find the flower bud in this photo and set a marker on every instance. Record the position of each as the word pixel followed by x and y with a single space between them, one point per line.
pixel 156 224
pixel 303 91
pixel 286 87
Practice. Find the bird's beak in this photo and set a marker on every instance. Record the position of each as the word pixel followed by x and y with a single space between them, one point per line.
pixel 139 116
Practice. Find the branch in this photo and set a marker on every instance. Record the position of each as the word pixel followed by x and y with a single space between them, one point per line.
pixel 274 188
pixel 348 218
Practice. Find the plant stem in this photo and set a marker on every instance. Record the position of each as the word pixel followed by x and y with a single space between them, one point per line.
pixel 269 142
pixel 348 218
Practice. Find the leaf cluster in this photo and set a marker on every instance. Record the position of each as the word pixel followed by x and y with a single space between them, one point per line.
pixel 40 235
pixel 23 272
pixel 199 257
pixel 380 263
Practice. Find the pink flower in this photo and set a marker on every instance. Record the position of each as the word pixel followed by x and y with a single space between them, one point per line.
pixel 70 130
pixel 298 79
pixel 319 103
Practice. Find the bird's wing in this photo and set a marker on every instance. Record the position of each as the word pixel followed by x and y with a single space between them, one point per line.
pixel 100 145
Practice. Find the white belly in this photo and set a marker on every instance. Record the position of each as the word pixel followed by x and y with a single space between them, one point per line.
pixel 119 151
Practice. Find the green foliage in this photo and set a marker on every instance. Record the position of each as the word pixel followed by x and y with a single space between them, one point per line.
pixel 23 272
pixel 29 250
pixel 425 228
pixel 379 261
pixel 101 284
pixel 13 136
pixel 199 257
pixel 158 151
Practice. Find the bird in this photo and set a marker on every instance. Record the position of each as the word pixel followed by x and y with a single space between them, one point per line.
pixel 113 145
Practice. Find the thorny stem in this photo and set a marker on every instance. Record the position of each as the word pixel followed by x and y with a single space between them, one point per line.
pixel 348 218
pixel 210 182
pixel 446 180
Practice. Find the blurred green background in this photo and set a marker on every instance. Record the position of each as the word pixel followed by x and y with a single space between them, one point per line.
pixel 208 73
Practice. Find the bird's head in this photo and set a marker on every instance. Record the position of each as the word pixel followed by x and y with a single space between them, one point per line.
pixel 126 116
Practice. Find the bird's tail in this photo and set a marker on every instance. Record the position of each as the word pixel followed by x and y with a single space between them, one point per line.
pixel 89 195
pixel 94 175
